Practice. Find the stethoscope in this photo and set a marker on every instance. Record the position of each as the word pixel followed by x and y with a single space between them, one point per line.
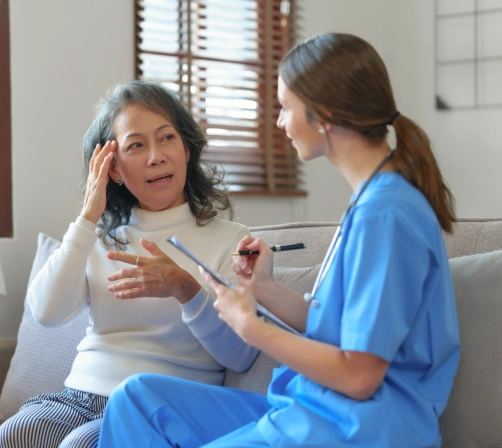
pixel 335 242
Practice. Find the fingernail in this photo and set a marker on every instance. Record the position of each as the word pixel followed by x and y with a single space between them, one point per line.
pixel 243 264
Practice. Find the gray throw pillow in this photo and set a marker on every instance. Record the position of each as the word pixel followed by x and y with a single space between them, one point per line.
pixel 43 356
pixel 259 375
pixel 473 416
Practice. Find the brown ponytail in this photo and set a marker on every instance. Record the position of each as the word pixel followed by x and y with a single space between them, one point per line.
pixel 342 80
pixel 414 160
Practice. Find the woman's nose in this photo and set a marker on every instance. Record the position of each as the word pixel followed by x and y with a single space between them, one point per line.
pixel 280 121
pixel 155 155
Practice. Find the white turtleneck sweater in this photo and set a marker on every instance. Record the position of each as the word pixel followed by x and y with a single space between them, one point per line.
pixel 147 334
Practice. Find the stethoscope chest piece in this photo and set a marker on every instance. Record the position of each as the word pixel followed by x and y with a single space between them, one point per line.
pixel 310 300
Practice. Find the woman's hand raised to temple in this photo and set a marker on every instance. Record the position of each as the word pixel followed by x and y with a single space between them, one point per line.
pixel 97 180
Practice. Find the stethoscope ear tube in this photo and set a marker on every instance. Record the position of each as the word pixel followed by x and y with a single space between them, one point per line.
pixel 333 247
pixel 387 157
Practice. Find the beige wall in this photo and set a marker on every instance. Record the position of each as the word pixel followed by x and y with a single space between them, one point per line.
pixel 66 54
pixel 468 144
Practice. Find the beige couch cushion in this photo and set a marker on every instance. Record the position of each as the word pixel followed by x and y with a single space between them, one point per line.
pixel 474 236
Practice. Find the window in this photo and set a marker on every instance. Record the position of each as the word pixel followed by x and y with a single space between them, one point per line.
pixel 468 54
pixel 221 57
pixel 5 125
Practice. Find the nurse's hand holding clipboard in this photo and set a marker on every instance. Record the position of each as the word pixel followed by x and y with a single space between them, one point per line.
pixel 236 307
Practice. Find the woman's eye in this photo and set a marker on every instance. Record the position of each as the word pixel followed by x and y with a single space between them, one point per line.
pixel 135 145
pixel 168 137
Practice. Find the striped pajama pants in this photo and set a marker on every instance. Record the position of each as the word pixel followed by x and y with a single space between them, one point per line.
pixel 67 419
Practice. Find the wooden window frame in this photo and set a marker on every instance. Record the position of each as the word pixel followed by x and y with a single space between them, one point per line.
pixel 278 170
pixel 6 225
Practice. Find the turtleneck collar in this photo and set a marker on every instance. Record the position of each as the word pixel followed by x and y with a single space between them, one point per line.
pixel 149 221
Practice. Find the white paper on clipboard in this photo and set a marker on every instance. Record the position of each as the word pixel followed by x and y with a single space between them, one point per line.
pixel 219 278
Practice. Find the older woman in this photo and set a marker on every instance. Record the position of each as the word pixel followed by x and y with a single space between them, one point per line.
pixel 148 311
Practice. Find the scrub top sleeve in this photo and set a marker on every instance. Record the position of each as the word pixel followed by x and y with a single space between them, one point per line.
pixel 385 266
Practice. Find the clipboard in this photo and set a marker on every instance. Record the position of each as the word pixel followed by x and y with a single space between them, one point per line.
pixel 262 311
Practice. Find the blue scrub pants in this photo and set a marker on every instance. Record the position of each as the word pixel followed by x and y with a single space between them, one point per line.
pixel 151 411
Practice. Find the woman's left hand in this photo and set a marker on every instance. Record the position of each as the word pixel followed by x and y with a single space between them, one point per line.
pixel 236 307
pixel 158 276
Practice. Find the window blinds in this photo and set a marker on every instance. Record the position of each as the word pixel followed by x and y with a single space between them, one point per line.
pixel 222 58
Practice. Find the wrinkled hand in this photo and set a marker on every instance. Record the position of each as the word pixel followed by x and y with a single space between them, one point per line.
pixel 236 307
pixel 158 276
pixel 97 180
pixel 254 271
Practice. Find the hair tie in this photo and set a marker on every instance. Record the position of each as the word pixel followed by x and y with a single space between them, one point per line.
pixel 393 118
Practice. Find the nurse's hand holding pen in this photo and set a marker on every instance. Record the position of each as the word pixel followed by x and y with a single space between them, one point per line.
pixel 255 272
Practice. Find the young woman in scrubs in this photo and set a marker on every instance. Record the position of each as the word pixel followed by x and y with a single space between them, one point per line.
pixel 379 348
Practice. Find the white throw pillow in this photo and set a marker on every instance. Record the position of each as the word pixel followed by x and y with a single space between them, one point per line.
pixel 43 356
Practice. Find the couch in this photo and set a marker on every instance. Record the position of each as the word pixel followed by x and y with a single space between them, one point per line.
pixel 39 359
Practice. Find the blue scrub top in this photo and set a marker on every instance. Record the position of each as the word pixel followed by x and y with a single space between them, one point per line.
pixel 387 292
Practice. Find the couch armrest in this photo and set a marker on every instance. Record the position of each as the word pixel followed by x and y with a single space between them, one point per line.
pixel 7 347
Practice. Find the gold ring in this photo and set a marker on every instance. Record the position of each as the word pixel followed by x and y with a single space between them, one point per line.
pixel 137 260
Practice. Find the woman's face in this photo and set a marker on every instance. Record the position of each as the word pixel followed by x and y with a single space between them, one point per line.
pixel 305 135
pixel 150 158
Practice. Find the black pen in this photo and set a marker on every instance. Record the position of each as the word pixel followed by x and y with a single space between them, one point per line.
pixel 276 248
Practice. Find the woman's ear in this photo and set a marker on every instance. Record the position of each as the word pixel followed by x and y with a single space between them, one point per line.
pixel 113 171
pixel 325 128
pixel 187 154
